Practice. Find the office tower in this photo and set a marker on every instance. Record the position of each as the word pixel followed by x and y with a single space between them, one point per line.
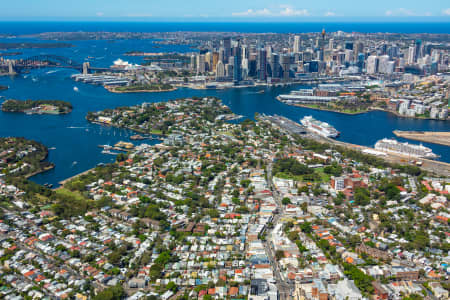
pixel 262 64
pixel 322 45
pixel 227 49
pixel 411 55
pixel 237 63
pixel 220 70
pixel 208 62
pixel 297 44
pixel 215 60
pixel 201 63
pixel 418 50
pixel 222 54
pixel 360 62
pixel 383 64
pixel 285 65
pixel 193 63
pixel 393 51
pixel 372 64
pixel 244 69
pixel 275 65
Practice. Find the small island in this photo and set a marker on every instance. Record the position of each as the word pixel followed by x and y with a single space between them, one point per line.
pixel 51 107
pixel 141 88
pixel 3 87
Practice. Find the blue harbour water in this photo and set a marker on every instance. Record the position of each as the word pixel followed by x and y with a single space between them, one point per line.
pixel 76 141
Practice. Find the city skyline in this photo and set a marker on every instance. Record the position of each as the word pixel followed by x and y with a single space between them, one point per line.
pixel 233 10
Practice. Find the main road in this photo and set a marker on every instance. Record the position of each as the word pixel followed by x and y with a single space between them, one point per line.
pixel 284 288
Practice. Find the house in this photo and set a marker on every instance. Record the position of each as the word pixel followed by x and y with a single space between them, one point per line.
pixel 137 283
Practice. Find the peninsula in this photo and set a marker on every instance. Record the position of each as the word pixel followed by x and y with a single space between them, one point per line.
pixel 51 107
pixel 142 88
pixel 434 137
pixel 20 157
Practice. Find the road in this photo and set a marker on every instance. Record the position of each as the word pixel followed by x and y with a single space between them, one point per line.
pixel 284 288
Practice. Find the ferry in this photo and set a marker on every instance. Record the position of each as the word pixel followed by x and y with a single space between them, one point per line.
pixel 318 127
pixel 394 146
pixel 109 152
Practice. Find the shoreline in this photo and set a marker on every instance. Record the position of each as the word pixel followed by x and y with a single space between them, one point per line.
pixel 329 109
pixel 45 169
pixel 64 181
pixel 363 112
pixel 37 113
pixel 129 128
pixel 113 90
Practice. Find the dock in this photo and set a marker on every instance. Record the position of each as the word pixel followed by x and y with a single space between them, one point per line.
pixel 433 137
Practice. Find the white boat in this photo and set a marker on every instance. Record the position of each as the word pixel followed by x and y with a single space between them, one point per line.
pixel 394 146
pixel 109 152
pixel 75 89
pixel 318 127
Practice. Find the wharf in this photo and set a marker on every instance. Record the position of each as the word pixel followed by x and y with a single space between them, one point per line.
pixel 434 137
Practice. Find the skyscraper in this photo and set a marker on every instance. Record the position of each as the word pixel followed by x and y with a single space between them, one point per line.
pixel 372 64
pixel 237 65
pixel 220 70
pixel 262 64
pixel 227 49
pixel 418 50
pixel 297 44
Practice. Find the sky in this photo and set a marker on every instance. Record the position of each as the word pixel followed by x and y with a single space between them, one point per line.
pixel 213 10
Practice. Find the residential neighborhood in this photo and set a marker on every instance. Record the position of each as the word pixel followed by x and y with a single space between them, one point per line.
pixel 224 210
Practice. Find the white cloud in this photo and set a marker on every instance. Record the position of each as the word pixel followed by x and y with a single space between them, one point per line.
pixel 446 12
pixel 100 14
pixel 290 12
pixel 251 12
pixel 330 14
pixel 403 12
pixel 285 11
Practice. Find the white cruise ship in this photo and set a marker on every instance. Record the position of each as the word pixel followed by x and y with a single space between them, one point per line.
pixel 394 146
pixel 318 127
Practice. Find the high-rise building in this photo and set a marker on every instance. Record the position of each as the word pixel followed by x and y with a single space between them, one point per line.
pixel 201 68
pixel 411 55
pixel 383 64
pixel 418 50
pixel 285 66
pixel 222 54
pixel 372 64
pixel 208 62
pixel 275 65
pixel 220 70
pixel 237 65
pixel 193 63
pixel 227 49
pixel 262 64
pixel 215 60
pixel 297 44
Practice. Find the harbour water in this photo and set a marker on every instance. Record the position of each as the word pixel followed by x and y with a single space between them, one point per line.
pixel 76 141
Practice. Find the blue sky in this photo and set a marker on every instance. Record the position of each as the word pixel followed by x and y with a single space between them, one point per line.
pixel 262 10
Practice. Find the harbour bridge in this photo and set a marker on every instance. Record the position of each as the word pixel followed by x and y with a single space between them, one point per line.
pixel 46 61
